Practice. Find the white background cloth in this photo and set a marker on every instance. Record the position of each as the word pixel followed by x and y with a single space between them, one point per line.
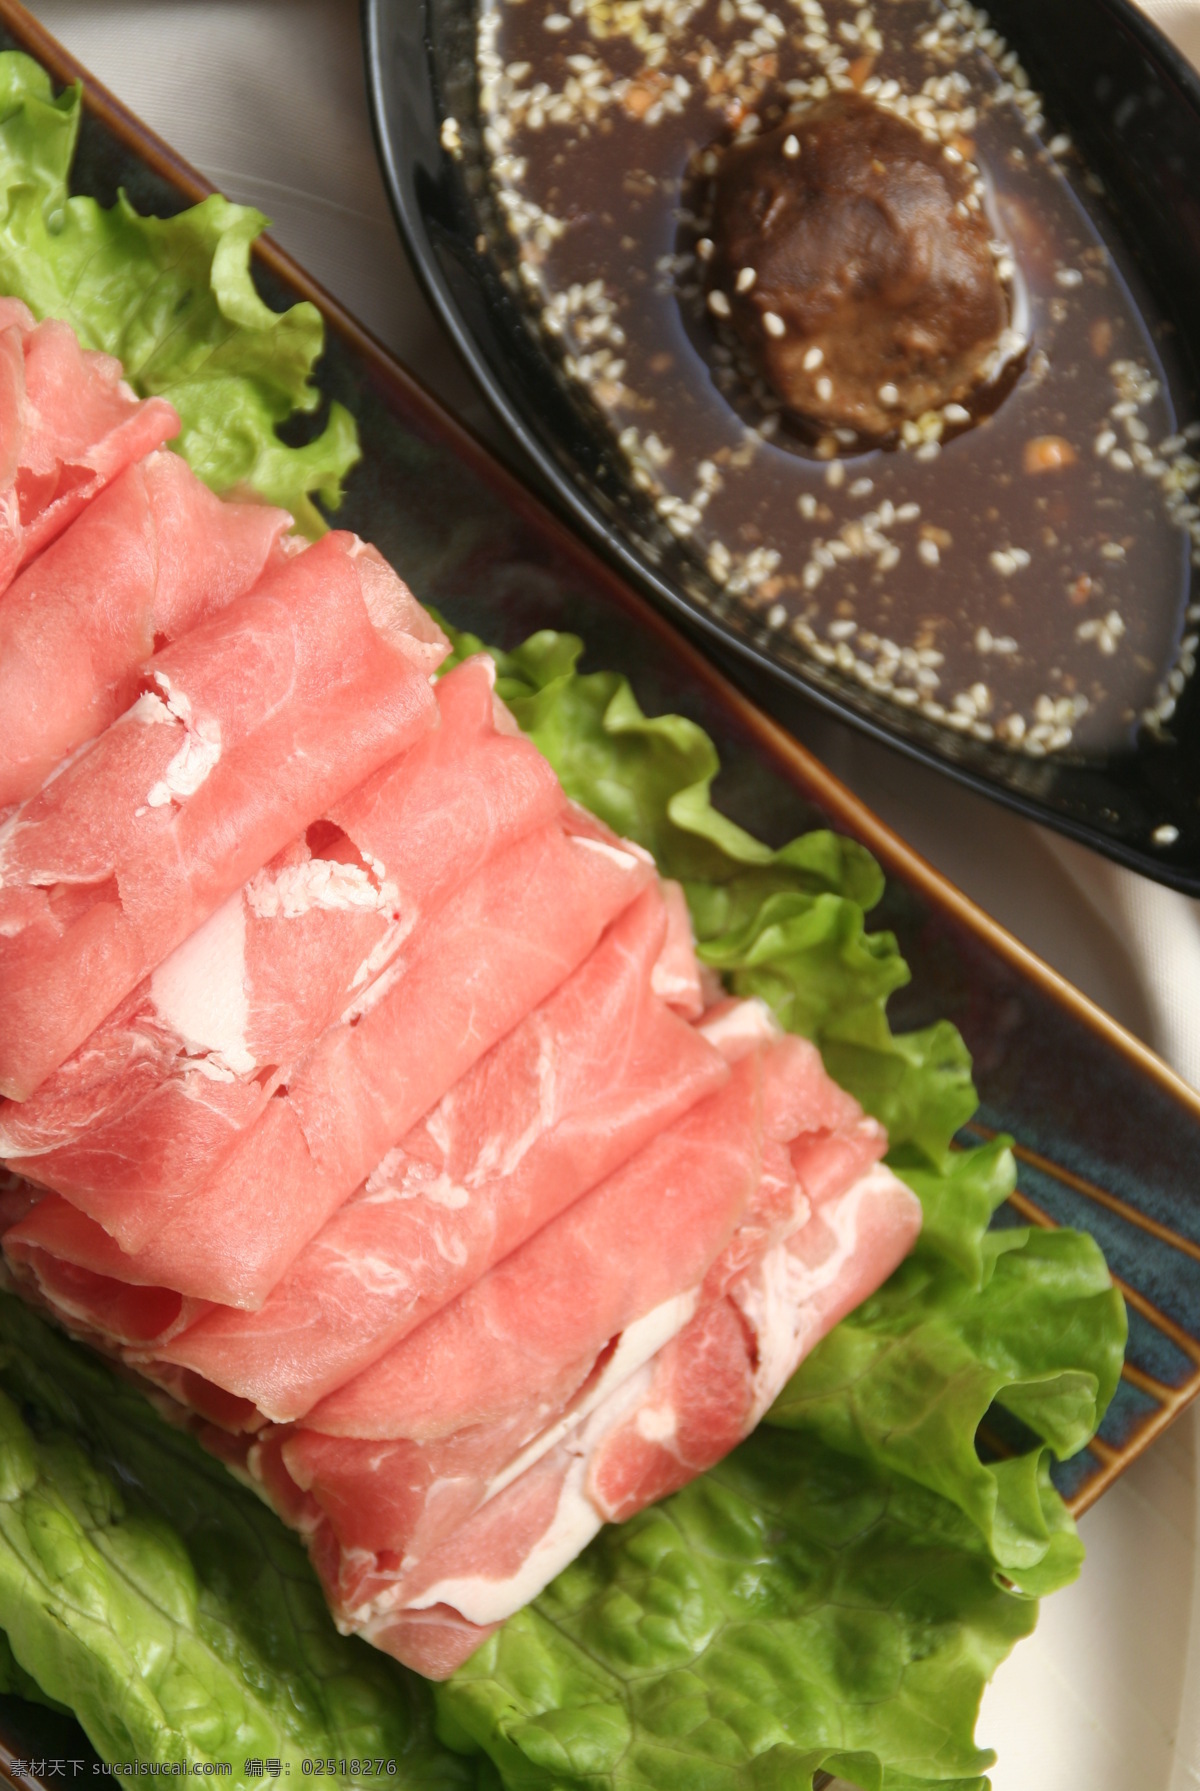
pixel 266 97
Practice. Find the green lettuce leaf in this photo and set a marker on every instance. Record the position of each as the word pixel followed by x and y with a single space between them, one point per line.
pixel 173 299
pixel 794 1609
pixel 907 1380
pixel 141 1586
pixel 17 1683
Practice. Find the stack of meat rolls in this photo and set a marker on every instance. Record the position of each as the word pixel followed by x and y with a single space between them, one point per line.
pixel 365 1096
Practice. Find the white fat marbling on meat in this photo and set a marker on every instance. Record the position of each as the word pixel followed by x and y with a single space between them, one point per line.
pixel 657 1423
pixel 318 883
pixel 483 1600
pixel 200 993
pixel 11 821
pixel 399 1177
pixel 670 985
pixel 637 1345
pixel 624 855
pixel 149 710
pixel 199 753
pixel 502 1152
pixel 572 1527
pixel 774 1296
pixel 739 1026
pixel 372 991
pixel 382 952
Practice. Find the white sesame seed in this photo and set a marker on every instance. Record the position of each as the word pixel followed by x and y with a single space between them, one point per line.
pixel 773 324
pixel 842 631
pixel 813 359
pixel 928 552
pixel 746 278
pixel 1121 460
pixel 825 388
pixel 806 503
pixel 1068 277
pixel 556 21
pixel 718 304
pixel 835 474
pixel 1166 835
pixel 888 395
pixel 791 147
pixel 704 248
pixel 956 413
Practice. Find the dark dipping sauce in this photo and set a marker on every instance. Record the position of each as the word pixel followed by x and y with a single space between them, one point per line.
pixel 1018 567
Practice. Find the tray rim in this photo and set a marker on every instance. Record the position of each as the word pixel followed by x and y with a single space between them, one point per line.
pixel 794 762
pixel 427 268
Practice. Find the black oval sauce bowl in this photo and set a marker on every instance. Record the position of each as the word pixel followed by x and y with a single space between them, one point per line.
pixel 1132 105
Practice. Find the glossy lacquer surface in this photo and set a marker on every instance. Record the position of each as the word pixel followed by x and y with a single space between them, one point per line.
pixel 1132 104
pixel 1107 1137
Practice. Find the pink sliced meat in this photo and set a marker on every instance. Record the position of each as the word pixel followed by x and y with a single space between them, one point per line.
pixel 249 729
pixel 146 561
pixel 585 1081
pixel 396 1525
pixel 79 1270
pixel 403 1496
pixel 162 1092
pixel 115 1311
pixel 566 1316
pixel 499 946
pixel 679 979
pixel 68 426
pixel 648 1233
pixel 674 1418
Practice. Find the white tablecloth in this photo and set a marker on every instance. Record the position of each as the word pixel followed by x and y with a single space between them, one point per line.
pixel 266 97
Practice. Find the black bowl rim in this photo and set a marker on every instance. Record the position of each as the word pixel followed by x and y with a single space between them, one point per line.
pixel 398 170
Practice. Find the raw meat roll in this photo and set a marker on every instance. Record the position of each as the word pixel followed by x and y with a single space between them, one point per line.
pixel 146 561
pixel 585 1081
pixel 161 1093
pixel 497 948
pixel 247 730
pixel 675 1416
pixel 68 425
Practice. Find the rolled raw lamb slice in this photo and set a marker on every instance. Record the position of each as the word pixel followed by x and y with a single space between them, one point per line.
pixel 496 949
pixel 675 1417
pixel 147 560
pixel 377 1511
pixel 416 1442
pixel 248 730
pixel 68 426
pixel 581 1084
pixel 648 1233
pixel 158 1097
